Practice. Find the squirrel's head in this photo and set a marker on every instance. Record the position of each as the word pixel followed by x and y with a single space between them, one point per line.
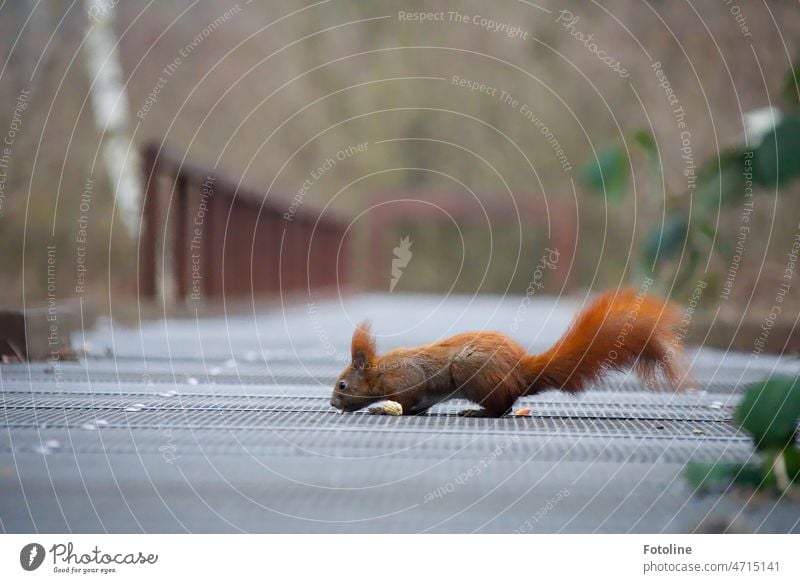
pixel 356 387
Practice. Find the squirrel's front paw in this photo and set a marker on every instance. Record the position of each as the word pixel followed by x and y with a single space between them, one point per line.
pixel 472 413
pixel 377 411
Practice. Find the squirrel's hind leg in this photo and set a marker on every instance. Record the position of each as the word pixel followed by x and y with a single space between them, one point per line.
pixel 496 404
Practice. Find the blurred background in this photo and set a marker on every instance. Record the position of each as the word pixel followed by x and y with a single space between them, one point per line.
pixel 180 155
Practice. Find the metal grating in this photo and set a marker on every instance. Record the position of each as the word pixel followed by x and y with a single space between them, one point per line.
pixel 352 445
pixel 246 440
pixel 253 418
pixel 14 400
pixel 285 376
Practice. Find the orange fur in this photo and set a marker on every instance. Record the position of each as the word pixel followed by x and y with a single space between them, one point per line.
pixel 618 331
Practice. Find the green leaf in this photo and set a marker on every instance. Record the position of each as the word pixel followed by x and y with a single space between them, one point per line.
pixel 647 142
pixel 720 244
pixel 707 230
pixel 686 271
pixel 722 178
pixel 769 411
pixel 608 173
pixel 792 457
pixel 790 84
pixel 777 159
pixel 789 458
pixel 667 240
pixel 704 476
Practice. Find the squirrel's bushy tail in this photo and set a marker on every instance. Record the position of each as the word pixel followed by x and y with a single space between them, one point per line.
pixel 618 331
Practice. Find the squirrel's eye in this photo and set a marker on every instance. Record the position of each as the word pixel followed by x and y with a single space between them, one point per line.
pixel 342 385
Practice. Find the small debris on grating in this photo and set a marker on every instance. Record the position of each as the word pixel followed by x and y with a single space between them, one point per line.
pixel 48 446
pixel 66 353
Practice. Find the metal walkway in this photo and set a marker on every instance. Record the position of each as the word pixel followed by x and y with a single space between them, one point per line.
pixel 223 425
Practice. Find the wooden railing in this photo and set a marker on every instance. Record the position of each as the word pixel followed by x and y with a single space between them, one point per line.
pixel 202 237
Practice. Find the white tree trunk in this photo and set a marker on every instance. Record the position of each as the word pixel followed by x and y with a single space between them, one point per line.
pixel 110 107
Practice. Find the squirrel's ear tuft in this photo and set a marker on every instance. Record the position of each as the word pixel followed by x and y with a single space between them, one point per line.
pixel 363 346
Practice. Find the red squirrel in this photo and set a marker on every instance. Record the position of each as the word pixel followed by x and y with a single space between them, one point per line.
pixel 618 331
